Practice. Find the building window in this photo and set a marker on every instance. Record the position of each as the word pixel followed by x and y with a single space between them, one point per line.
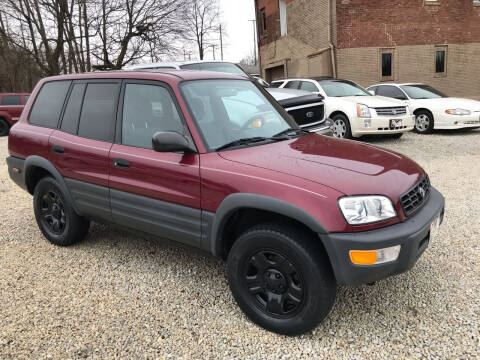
pixel 263 20
pixel 386 64
pixel 283 17
pixel 440 60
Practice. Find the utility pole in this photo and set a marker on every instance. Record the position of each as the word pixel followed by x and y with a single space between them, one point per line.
pixel 254 41
pixel 221 43
pixel 213 47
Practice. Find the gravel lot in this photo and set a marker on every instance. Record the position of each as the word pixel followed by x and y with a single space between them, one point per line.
pixel 120 295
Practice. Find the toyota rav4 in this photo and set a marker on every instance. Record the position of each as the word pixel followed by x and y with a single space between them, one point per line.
pixel 212 161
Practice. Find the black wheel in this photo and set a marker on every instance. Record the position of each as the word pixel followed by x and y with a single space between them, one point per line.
pixel 4 127
pixel 341 127
pixel 424 122
pixel 281 278
pixel 55 217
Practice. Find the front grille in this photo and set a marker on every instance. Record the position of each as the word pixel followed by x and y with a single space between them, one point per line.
pixel 306 115
pixel 416 196
pixel 391 111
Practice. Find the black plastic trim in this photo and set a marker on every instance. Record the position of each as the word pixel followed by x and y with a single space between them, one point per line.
pixel 91 200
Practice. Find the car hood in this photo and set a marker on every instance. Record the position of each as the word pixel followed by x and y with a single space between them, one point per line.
pixel 282 94
pixel 451 103
pixel 372 101
pixel 350 167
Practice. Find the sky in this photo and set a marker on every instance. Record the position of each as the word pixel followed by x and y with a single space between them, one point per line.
pixel 239 41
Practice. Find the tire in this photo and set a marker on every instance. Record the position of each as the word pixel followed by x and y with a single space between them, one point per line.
pixel 341 127
pixel 424 122
pixel 56 218
pixel 4 127
pixel 281 262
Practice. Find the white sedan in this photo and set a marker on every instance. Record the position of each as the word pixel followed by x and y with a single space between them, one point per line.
pixel 353 110
pixel 433 109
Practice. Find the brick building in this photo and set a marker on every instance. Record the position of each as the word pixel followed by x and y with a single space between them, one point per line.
pixel 369 41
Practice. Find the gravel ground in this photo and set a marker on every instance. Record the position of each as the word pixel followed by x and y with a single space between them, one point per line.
pixel 119 295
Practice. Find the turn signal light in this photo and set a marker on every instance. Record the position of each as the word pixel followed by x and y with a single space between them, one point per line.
pixel 373 257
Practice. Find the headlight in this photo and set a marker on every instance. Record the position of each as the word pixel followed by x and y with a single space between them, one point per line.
pixel 363 111
pixel 458 112
pixel 366 209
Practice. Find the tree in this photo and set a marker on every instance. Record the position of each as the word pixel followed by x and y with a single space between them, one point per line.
pixel 202 23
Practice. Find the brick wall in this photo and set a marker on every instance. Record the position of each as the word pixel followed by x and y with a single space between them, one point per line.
pixel 369 23
pixel 416 64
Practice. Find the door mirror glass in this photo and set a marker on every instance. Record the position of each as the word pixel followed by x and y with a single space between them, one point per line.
pixel 171 141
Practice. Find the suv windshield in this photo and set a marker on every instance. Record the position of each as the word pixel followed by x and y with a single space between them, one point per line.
pixel 340 88
pixel 422 92
pixel 228 68
pixel 230 110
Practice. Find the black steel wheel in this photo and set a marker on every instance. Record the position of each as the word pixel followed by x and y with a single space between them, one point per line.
pixel 56 218
pixel 281 278
pixel 274 282
pixel 4 127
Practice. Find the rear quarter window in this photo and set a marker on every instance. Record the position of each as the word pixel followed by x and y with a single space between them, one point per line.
pixel 48 104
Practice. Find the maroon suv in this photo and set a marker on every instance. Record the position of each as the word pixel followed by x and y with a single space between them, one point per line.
pixel 212 161
pixel 11 107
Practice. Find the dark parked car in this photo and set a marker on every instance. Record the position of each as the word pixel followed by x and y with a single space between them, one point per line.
pixel 11 106
pixel 210 160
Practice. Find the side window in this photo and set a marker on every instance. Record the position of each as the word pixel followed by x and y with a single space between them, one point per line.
pixel 276 84
pixel 72 110
pixel 391 92
pixel 11 100
pixel 98 111
pixel 292 85
pixel 48 104
pixel 308 86
pixel 26 98
pixel 192 67
pixel 147 109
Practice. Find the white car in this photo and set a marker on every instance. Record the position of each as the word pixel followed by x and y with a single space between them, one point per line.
pixel 433 109
pixel 353 110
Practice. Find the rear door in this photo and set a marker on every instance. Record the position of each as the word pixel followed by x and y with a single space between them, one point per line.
pixel 80 147
pixel 155 192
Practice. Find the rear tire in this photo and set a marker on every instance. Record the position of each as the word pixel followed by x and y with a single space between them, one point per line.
pixel 56 218
pixel 281 278
pixel 4 127
pixel 341 127
pixel 424 122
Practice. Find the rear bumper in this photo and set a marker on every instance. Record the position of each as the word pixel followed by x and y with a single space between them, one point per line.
pixel 413 235
pixel 16 171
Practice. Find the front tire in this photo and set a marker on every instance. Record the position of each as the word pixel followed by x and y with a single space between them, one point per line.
pixel 56 218
pixel 4 127
pixel 281 278
pixel 341 127
pixel 424 122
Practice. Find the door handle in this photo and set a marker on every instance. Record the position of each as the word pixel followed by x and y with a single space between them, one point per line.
pixel 121 163
pixel 58 149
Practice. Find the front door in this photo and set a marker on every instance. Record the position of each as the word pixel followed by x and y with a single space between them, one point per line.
pixel 154 192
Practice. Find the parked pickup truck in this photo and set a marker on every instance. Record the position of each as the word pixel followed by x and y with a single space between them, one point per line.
pixel 11 107
pixel 212 161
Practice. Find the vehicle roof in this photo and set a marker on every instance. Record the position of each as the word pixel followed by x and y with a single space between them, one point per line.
pixel 175 63
pixel 11 93
pixel 396 84
pixel 151 74
pixel 316 78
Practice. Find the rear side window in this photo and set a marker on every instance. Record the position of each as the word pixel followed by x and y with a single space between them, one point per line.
pixel 98 111
pixel 49 103
pixel 26 98
pixel 72 110
pixel 276 84
pixel 391 92
pixel 292 85
pixel 308 86
pixel 11 100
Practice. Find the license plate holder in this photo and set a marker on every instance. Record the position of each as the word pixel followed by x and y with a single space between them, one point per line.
pixel 434 227
pixel 395 123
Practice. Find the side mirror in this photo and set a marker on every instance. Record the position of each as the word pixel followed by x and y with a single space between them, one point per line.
pixel 371 92
pixel 171 141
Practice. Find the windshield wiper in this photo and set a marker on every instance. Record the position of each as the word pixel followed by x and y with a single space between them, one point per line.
pixel 242 141
pixel 289 131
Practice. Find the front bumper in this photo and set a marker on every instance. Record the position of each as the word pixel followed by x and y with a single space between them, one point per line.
pixel 413 235
pixel 458 121
pixel 381 125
